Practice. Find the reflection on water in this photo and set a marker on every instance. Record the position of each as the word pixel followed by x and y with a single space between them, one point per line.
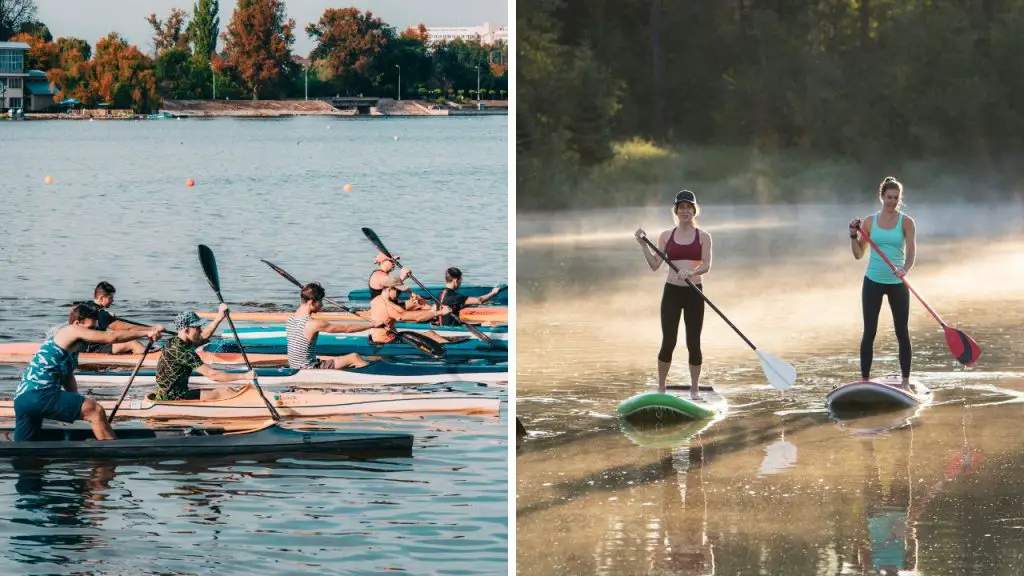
pixel 779 486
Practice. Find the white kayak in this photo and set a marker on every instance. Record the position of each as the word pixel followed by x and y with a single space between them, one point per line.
pixel 878 393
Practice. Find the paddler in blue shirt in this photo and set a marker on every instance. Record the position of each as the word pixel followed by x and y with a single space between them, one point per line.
pixel 451 297
pixel 48 388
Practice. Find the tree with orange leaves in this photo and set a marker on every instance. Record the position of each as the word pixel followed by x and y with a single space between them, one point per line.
pixel 416 33
pixel 41 55
pixel 257 44
pixel 124 76
pixel 353 43
pixel 169 33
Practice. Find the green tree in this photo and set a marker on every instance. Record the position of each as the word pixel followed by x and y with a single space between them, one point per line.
pixel 204 27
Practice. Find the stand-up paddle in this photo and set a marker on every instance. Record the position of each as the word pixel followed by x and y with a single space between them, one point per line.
pixel 962 346
pixel 372 237
pixel 149 346
pixel 422 343
pixel 209 264
pixel 779 373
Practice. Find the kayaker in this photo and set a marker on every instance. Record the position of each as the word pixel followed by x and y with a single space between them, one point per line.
pixel 385 310
pixel 382 278
pixel 102 299
pixel 40 394
pixel 451 298
pixel 179 359
pixel 895 234
pixel 689 248
pixel 302 330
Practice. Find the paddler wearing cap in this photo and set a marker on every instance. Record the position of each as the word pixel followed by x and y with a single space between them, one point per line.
pixel 689 248
pixel 179 359
pixel 385 311
pixel 381 278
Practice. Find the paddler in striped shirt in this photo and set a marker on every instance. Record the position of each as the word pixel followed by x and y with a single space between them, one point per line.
pixel 302 331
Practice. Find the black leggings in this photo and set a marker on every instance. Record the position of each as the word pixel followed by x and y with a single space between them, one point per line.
pixel 685 300
pixel 899 303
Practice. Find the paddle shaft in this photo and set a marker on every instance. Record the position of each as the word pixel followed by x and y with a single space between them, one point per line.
pixel 380 246
pixel 710 303
pixel 864 234
pixel 149 346
pixel 139 324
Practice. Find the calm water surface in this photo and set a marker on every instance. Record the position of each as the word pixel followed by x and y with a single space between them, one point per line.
pixel 119 210
pixel 778 486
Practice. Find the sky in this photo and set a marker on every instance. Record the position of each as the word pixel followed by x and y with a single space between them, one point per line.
pixel 95 19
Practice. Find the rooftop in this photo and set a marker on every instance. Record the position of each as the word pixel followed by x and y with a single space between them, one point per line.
pixel 14 46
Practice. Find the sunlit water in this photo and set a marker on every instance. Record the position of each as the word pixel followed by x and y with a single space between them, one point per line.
pixel 778 486
pixel 119 210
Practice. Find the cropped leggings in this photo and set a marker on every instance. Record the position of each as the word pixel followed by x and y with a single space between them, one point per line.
pixel 685 301
pixel 899 303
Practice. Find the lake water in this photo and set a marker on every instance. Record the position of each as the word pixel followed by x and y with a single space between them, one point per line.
pixel 778 486
pixel 435 190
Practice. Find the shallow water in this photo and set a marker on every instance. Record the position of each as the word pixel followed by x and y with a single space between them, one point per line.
pixel 119 210
pixel 778 486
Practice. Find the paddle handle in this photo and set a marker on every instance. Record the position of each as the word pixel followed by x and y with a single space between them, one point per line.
pixel 692 285
pixel 864 234
pixel 149 346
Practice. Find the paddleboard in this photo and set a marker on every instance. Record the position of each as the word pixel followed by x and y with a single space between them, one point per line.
pixel 673 406
pixel 878 393
pixel 664 435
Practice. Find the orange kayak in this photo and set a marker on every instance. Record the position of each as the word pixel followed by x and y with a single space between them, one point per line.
pixel 22 353
pixel 482 315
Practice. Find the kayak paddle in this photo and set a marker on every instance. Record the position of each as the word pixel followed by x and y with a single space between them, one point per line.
pixel 149 346
pixel 372 236
pixel 209 263
pixel 422 343
pixel 140 324
pixel 962 346
pixel 780 373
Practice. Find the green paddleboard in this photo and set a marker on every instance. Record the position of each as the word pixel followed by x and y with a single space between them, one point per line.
pixel 675 406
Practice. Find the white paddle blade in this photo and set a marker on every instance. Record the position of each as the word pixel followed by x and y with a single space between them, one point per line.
pixel 780 374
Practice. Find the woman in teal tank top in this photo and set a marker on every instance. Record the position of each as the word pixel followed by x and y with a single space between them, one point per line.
pixel 894 232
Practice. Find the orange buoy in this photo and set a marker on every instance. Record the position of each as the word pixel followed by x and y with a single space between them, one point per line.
pixel 190 183
pixel 348 187
pixel 48 180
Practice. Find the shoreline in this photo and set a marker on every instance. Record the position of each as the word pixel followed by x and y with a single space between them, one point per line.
pixel 176 109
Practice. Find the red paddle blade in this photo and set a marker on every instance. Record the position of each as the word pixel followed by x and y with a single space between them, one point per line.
pixel 964 348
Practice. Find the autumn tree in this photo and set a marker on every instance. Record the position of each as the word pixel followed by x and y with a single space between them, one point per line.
pixel 74 73
pixel 418 33
pixel 204 27
pixel 169 33
pixel 257 44
pixel 353 43
pixel 124 76
pixel 41 55
pixel 13 14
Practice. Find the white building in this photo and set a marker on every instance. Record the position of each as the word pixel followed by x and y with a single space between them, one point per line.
pixel 487 34
pixel 12 75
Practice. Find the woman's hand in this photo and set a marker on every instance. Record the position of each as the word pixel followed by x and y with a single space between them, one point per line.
pixel 640 235
pixel 854 227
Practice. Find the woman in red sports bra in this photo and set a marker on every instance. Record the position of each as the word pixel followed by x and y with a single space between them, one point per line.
pixel 689 248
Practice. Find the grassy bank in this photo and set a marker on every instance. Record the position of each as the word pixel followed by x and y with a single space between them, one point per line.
pixel 641 173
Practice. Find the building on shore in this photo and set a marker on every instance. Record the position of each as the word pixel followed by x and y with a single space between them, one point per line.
pixel 12 75
pixel 39 92
pixel 486 34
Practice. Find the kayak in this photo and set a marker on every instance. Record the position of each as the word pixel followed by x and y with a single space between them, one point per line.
pixel 880 393
pixel 470 291
pixel 22 353
pixel 673 406
pixel 376 372
pixel 248 404
pixel 271 332
pixel 360 344
pixel 481 314
pixel 77 441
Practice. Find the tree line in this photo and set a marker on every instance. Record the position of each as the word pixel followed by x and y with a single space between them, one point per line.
pixel 872 80
pixel 356 53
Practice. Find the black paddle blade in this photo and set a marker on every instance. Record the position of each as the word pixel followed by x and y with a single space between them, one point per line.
pixel 424 344
pixel 286 275
pixel 209 264
pixel 963 347
pixel 372 237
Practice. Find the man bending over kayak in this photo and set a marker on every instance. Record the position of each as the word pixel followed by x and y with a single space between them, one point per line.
pixel 302 331
pixel 451 298
pixel 381 278
pixel 40 394
pixel 386 311
pixel 103 298
pixel 179 359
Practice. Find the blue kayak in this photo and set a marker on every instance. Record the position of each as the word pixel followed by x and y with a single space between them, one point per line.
pixel 462 350
pixel 264 334
pixel 470 291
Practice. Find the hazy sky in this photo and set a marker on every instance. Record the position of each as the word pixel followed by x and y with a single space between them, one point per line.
pixel 94 20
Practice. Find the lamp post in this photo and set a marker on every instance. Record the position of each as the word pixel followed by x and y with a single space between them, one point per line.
pixel 306 71
pixel 214 72
pixel 477 86
pixel 399 82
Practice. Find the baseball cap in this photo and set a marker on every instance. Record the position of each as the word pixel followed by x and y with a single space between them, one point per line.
pixel 382 258
pixel 188 319
pixel 686 196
